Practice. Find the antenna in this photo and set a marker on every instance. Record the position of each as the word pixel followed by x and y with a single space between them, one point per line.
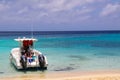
pixel 32 31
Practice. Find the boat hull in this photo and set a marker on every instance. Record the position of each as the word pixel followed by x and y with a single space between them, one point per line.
pixel 15 57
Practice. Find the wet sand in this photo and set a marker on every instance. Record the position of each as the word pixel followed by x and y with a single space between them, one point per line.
pixel 70 75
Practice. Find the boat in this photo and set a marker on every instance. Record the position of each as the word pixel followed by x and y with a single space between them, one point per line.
pixel 25 56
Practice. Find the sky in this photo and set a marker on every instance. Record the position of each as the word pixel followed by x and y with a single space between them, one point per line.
pixel 59 15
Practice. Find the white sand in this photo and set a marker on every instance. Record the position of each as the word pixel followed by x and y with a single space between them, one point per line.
pixel 98 75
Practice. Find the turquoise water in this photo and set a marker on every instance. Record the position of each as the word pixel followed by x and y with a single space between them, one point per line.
pixel 66 51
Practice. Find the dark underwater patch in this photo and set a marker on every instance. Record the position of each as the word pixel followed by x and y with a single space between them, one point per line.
pixel 73 43
pixel 106 44
pixel 64 69
pixel 72 64
pixel 107 54
pixel 1 72
pixel 78 57
pixel 61 44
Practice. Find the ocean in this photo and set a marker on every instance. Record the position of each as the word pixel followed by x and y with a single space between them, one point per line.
pixel 66 50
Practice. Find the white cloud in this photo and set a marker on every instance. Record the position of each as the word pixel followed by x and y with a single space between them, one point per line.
pixel 3 7
pixel 78 12
pixel 64 10
pixel 110 9
pixel 47 10
pixel 84 11
pixel 23 10
pixel 63 5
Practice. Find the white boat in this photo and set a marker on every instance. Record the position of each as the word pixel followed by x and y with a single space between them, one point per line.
pixel 25 56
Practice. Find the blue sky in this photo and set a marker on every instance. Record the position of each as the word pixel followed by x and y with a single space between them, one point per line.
pixel 59 15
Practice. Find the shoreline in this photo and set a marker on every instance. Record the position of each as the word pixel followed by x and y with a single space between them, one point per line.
pixel 68 75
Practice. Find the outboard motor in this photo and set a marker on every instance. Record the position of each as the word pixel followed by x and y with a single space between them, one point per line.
pixel 41 59
pixel 23 61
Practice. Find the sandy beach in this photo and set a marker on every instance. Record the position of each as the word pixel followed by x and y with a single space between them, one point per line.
pixel 97 75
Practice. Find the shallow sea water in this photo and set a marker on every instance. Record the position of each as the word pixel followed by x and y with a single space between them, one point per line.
pixel 66 51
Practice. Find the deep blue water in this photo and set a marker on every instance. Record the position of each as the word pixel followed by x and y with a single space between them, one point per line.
pixel 67 51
